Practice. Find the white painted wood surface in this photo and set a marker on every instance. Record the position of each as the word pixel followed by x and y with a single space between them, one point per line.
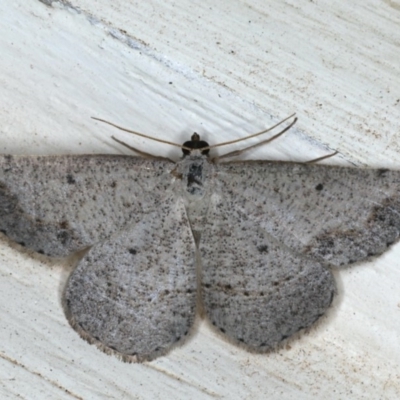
pixel 222 69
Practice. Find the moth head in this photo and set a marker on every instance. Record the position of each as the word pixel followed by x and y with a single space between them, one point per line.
pixel 195 144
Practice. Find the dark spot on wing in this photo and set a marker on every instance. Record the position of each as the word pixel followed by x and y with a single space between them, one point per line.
pixel 379 230
pixel 387 213
pixel 8 201
pixel 63 237
pixel 70 179
pixel 381 172
pixel 263 248
pixel 319 187
pixel 64 225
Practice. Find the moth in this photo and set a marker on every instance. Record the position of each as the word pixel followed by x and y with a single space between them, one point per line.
pixel 250 244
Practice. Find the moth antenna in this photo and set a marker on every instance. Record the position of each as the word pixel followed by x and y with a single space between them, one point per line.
pixel 256 134
pixel 321 158
pixel 141 134
pixel 142 153
pixel 237 152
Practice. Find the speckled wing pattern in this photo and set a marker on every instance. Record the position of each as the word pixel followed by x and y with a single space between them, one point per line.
pixel 273 231
pixel 267 235
pixel 134 292
pixel 57 205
